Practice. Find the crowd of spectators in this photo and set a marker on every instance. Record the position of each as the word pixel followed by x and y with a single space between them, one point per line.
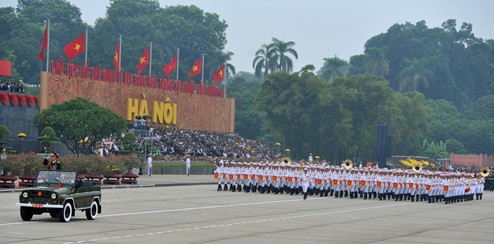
pixel 12 86
pixel 174 144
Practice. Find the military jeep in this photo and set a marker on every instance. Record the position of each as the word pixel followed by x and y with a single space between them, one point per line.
pixel 60 193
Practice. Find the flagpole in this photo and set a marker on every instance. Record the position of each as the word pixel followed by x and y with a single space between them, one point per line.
pixel 85 49
pixel 202 70
pixel 120 53
pixel 48 47
pixel 150 56
pixel 224 80
pixel 178 59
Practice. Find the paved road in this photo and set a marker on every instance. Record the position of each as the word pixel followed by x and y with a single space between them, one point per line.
pixel 200 214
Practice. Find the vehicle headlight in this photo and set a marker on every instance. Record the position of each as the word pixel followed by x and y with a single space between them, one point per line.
pixel 53 196
pixel 24 194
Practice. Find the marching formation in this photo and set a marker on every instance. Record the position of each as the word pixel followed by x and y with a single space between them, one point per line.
pixel 366 183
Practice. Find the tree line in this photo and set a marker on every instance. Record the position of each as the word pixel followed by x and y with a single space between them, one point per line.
pixel 433 87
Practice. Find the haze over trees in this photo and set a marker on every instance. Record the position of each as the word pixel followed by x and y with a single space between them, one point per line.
pixel 433 87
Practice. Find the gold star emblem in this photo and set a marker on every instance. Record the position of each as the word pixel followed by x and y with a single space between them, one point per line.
pixel 195 68
pixel 221 73
pixel 142 60
pixel 115 57
pixel 77 46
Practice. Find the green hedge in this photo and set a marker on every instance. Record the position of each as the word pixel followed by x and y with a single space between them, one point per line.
pixel 182 164
pixel 29 164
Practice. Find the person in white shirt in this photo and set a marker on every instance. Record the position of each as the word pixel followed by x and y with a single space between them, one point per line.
pixel 150 163
pixel 187 166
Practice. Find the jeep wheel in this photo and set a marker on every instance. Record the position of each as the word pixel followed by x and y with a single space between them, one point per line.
pixel 92 211
pixel 65 213
pixel 26 213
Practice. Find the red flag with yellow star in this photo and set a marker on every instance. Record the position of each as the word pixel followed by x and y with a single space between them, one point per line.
pixel 220 74
pixel 44 44
pixel 172 65
pixel 75 48
pixel 143 61
pixel 196 68
pixel 116 56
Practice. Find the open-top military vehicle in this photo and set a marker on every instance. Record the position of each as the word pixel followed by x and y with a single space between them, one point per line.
pixel 60 193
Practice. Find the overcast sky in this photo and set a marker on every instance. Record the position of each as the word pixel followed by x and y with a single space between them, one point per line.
pixel 320 28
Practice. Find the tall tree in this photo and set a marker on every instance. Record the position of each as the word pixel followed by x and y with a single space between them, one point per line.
pixel 281 49
pixel 415 75
pixel 376 62
pixel 79 119
pixel 333 68
pixel 264 62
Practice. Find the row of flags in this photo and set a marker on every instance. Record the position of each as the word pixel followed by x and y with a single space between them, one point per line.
pixel 78 46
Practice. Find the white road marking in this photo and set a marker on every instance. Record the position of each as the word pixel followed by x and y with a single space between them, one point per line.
pixel 255 221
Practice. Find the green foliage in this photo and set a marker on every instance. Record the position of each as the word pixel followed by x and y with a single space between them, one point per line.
pixel 442 63
pixel 79 119
pixel 456 147
pixel 189 28
pixel 434 150
pixel 339 120
pixel 248 121
pixel 334 68
pixel 22 29
pixel 48 138
pixel 274 57
pixel 94 164
pixel 4 131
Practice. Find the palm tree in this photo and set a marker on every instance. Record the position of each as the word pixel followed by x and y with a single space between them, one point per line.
pixel 334 68
pixel 376 62
pixel 281 49
pixel 414 75
pixel 262 63
pixel 230 69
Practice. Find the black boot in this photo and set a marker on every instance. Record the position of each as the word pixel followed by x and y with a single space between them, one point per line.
pixel 239 188
pixel 331 192
pixel 374 194
pixel 412 198
pixel 346 193
pixel 233 188
pixel 481 195
pixel 305 195
pixel 336 194
pixel 326 193
pixel 219 187
pixel 418 196
pixel 292 191
pixel 365 195
pixel 321 193
pixel 225 188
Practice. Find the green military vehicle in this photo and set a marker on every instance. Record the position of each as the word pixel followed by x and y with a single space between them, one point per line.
pixel 60 193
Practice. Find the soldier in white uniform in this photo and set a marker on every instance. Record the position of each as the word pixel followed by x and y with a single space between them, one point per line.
pixel 305 178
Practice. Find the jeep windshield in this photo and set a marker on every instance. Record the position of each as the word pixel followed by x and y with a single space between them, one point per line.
pixel 53 178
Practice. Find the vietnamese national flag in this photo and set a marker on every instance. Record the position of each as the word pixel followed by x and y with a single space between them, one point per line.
pixel 44 44
pixel 196 68
pixel 75 48
pixel 143 61
pixel 172 65
pixel 220 74
pixel 116 56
